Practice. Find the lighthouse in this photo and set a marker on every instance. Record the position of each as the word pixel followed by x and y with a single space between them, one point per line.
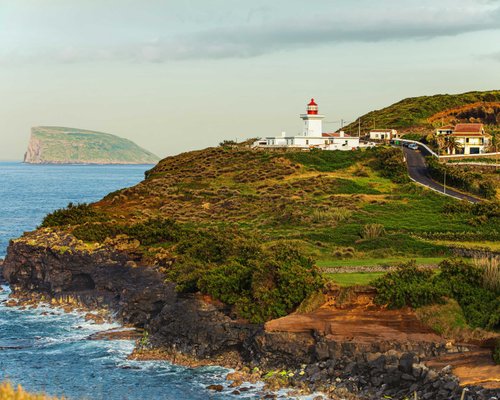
pixel 312 136
pixel 313 125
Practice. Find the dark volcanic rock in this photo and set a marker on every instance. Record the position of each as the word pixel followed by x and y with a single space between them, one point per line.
pixel 203 329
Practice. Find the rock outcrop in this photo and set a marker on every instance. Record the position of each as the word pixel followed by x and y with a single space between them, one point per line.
pixel 58 145
pixel 194 325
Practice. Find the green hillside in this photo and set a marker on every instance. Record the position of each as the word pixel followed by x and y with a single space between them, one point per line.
pixel 245 226
pixel 60 145
pixel 327 201
pixel 427 112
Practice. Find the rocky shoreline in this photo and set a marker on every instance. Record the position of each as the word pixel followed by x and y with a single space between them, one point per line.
pixel 193 327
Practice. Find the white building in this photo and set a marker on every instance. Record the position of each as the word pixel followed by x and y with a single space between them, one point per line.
pixel 312 136
pixel 383 134
pixel 470 139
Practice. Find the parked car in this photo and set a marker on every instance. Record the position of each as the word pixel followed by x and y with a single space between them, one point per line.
pixel 413 146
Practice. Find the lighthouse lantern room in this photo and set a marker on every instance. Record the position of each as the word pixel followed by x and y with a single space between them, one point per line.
pixel 313 125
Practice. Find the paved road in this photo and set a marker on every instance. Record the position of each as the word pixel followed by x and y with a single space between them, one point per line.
pixel 418 171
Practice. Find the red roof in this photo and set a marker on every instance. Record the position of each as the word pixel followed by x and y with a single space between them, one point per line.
pixel 312 103
pixel 381 130
pixel 446 128
pixel 468 128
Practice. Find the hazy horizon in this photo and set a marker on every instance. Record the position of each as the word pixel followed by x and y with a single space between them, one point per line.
pixel 174 77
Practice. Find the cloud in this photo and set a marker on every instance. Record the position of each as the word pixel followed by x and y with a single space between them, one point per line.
pixel 254 40
pixel 494 56
pixel 252 37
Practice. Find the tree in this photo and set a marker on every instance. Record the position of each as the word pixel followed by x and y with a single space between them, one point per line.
pixel 449 144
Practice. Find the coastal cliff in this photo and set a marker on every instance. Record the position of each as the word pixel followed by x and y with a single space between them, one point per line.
pixel 212 256
pixel 371 364
pixel 58 145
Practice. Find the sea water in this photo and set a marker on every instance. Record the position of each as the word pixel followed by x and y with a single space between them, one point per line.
pixel 50 352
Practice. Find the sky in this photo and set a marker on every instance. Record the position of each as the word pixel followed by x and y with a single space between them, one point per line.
pixel 174 76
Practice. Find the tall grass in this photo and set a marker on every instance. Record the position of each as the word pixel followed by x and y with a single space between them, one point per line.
pixel 372 231
pixel 335 215
pixel 8 392
pixel 490 267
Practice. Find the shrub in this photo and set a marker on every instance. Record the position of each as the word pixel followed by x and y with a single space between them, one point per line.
pixel 389 162
pixel 408 286
pixel 372 231
pixel 148 233
pixel 487 189
pixel 72 215
pixel 260 281
pixel 464 283
pixel 228 143
pixel 96 232
pixel 461 178
pixel 154 231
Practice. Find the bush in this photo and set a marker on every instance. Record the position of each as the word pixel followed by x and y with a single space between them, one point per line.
pixel 464 283
pixel 461 178
pixel 457 280
pixel 154 231
pixel 96 232
pixel 148 233
pixel 72 215
pixel 389 162
pixel 408 286
pixel 261 282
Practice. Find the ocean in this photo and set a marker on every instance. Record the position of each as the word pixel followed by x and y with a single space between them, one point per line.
pixel 50 353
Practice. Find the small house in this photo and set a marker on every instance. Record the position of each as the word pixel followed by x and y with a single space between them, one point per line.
pixel 383 134
pixel 470 139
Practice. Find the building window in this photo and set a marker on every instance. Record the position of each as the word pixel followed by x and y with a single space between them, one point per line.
pixel 467 140
pixel 307 141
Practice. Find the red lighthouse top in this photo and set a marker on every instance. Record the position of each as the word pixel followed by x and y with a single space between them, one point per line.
pixel 312 107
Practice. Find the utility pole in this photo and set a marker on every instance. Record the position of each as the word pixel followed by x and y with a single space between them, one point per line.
pixel 444 186
pixel 341 123
pixel 359 127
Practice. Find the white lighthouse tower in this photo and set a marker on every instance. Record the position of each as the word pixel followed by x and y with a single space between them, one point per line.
pixel 313 125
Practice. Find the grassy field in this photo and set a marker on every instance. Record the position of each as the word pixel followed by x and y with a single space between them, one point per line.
pixel 361 278
pixel 377 261
pixel 493 246
pixel 323 201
